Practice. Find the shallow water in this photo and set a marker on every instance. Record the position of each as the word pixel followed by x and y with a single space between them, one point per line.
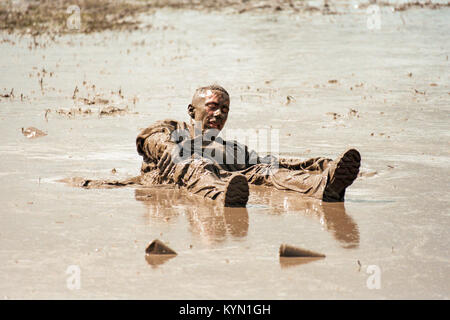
pixel 397 219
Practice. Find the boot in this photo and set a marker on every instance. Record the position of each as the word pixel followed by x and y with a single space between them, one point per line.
pixel 236 191
pixel 342 172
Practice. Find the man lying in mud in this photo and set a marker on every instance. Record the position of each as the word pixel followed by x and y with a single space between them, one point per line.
pixel 193 157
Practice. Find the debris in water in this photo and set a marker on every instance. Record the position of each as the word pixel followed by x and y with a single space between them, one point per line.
pixel 289 99
pixel 334 114
pixel 86 101
pixel 419 92
pixel 8 95
pixel 32 132
pixel 73 111
pixel 353 113
pixel 159 247
pixel 75 91
pixel 110 111
pixel 291 251
pixel 47 111
pixel 96 100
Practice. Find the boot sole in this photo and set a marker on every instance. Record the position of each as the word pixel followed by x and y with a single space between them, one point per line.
pixel 347 169
pixel 237 192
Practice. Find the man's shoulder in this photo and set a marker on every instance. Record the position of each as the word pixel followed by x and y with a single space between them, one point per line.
pixel 165 126
pixel 168 124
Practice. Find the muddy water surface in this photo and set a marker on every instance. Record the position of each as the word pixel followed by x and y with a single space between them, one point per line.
pixel 390 100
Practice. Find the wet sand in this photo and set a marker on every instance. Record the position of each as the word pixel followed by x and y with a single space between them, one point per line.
pixel 385 92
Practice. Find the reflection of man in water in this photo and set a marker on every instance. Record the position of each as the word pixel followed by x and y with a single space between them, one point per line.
pixel 221 223
pixel 195 158
pixel 211 224
pixel 332 216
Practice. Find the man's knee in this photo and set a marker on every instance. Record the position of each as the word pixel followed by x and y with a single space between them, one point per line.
pixel 185 169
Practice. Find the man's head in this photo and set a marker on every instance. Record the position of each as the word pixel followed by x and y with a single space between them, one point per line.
pixel 210 106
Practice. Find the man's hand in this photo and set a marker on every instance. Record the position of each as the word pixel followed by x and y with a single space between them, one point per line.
pixel 178 152
pixel 166 163
pixel 191 147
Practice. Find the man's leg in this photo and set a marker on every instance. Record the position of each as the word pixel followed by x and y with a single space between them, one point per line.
pixel 309 183
pixel 314 164
pixel 205 179
pixel 319 178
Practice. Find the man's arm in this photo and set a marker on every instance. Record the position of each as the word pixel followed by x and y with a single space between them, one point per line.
pixel 155 144
pixel 152 142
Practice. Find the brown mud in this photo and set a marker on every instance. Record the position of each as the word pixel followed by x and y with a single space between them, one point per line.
pixel 50 17
pixel 389 100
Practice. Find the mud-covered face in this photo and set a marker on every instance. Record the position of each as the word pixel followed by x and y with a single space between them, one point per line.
pixel 211 110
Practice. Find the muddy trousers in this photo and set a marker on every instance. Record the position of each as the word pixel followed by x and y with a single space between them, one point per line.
pixel 206 179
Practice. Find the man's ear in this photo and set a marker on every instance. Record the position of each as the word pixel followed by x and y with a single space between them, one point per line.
pixel 191 111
